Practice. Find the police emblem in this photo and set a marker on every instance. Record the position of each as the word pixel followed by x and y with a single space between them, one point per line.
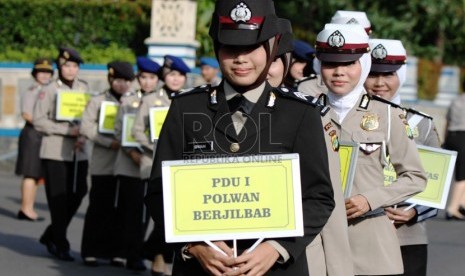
pixel 336 40
pixel 379 52
pixel 241 13
pixel 352 21
pixel 369 122
pixel 334 140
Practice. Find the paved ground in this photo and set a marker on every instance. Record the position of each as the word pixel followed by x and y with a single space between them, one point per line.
pixel 22 255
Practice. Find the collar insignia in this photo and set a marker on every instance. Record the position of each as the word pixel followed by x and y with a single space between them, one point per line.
pixel 336 40
pixel 241 13
pixel 379 52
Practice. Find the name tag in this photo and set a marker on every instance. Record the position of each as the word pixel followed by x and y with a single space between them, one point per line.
pixel 201 146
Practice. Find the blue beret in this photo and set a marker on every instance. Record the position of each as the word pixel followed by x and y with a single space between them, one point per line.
pixel 175 63
pixel 209 61
pixel 147 65
pixel 303 50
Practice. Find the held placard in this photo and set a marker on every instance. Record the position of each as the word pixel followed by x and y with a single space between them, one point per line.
pixel 439 167
pixel 70 105
pixel 107 117
pixel 127 139
pixel 157 118
pixel 233 197
pixel 348 154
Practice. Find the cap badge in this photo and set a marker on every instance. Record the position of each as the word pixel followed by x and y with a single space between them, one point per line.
pixel 66 54
pixel 352 21
pixel 370 122
pixel 379 52
pixel 111 71
pixel 336 40
pixel 241 13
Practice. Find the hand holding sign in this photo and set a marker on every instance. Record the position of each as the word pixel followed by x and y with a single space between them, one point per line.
pixel 257 262
pixel 212 260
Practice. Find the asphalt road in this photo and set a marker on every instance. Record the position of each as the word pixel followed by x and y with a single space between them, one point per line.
pixel 22 255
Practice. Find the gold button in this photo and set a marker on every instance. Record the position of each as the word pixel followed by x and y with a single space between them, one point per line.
pixel 234 147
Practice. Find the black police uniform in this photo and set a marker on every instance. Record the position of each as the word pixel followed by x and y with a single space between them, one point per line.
pixel 291 126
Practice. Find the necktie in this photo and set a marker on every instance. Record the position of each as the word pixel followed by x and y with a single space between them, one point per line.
pixel 240 103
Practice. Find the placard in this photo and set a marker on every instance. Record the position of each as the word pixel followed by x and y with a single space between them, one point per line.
pixel 233 197
pixel 157 116
pixel 439 167
pixel 107 117
pixel 127 138
pixel 348 154
pixel 70 105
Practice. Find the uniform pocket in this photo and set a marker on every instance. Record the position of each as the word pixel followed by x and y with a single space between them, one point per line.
pixel 371 145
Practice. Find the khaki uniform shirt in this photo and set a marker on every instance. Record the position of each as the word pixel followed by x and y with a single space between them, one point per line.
pixel 329 253
pixel 124 165
pixel 141 128
pixel 380 129
pixel 456 114
pixel 29 98
pixel 102 158
pixel 312 86
pixel 414 232
pixel 56 142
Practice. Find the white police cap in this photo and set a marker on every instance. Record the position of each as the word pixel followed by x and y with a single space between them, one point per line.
pixel 352 17
pixel 387 55
pixel 341 43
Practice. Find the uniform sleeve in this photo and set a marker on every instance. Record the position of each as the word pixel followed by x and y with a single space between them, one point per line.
pixel 432 136
pixel 403 153
pixel 89 124
pixel 140 124
pixel 317 191
pixel 28 101
pixel 43 112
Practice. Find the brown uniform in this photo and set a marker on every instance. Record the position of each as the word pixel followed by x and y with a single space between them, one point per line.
pixel 141 125
pixel 329 253
pixel 380 129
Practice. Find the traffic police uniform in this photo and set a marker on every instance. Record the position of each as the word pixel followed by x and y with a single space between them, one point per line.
pixel 293 126
pixel 28 162
pixel 130 188
pixel 390 56
pixel 102 233
pixel 65 168
pixel 329 253
pixel 379 129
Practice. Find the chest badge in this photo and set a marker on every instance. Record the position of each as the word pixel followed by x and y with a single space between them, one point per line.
pixel 369 122
pixel 135 104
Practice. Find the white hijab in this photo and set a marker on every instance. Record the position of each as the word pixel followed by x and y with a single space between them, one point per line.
pixel 402 75
pixel 343 104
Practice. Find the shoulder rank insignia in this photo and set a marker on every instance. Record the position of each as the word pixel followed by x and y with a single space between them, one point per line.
pixel 369 122
pixel 379 99
pixel 271 100
pixel 296 95
pixel 414 111
pixel 190 91
pixel 322 99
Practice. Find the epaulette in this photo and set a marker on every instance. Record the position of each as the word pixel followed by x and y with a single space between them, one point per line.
pixel 301 97
pixel 311 77
pixel 296 95
pixel 128 94
pixel 83 81
pixel 189 91
pixel 378 98
pixel 414 111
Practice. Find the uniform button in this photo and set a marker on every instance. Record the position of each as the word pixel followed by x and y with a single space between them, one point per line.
pixel 234 147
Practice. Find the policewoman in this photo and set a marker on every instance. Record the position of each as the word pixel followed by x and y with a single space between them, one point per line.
pixel 63 155
pixel 130 189
pixel 387 74
pixel 173 74
pixel 302 63
pixel 28 162
pixel 352 17
pixel 246 37
pixel 329 253
pixel 147 76
pixel 102 235
pixel 209 69
pixel 379 130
